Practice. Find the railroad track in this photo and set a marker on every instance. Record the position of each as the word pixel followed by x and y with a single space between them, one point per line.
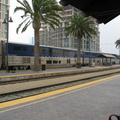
pixel 37 86
pixel 26 84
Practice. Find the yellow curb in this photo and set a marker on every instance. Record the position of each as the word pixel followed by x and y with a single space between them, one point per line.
pixel 47 73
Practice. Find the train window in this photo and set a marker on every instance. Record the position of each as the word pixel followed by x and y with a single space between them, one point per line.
pixel 26 60
pixel 55 62
pixel 32 49
pixel 98 61
pixel 24 48
pixel 17 48
pixel 66 52
pixel 50 50
pixel 60 51
pixel 49 61
pixel 59 62
pixel 46 50
pixel 68 60
pixel 71 53
pixel 54 51
pixel 87 53
pixel 93 54
pixel 43 50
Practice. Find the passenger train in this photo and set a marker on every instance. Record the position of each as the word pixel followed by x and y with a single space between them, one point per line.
pixel 21 56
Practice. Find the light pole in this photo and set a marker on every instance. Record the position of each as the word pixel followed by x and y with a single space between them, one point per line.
pixel 119 53
pixel 6 21
pixel 89 54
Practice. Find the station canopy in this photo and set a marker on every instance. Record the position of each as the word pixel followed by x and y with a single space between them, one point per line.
pixel 102 10
pixel 106 56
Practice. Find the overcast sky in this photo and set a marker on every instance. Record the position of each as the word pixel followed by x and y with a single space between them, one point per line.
pixel 109 32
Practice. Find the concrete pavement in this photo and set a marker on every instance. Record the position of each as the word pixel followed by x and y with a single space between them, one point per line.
pixel 96 100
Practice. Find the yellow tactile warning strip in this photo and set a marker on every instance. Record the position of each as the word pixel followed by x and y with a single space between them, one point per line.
pixel 56 92
pixel 50 72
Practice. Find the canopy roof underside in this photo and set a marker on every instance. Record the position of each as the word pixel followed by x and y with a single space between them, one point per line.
pixel 103 10
pixel 106 56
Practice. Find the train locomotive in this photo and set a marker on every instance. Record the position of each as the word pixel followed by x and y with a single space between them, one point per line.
pixel 21 56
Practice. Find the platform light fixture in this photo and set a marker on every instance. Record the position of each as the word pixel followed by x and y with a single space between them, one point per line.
pixel 6 21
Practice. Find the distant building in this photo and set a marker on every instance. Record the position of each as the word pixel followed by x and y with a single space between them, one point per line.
pixel 57 38
pixel 4 6
pixel 31 41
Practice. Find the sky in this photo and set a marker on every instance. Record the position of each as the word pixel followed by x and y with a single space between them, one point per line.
pixel 109 32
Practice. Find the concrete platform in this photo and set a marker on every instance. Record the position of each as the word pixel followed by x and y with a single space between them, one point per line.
pixel 29 74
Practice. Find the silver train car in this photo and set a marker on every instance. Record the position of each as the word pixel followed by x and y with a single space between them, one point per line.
pixel 21 56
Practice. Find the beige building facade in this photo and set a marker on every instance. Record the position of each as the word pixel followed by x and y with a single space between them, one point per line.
pixel 57 38
pixel 4 6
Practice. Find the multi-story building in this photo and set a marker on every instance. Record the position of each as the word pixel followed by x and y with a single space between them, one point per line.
pixel 4 6
pixel 57 37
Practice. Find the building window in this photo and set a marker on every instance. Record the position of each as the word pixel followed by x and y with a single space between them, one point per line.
pixel 0 6
pixel 6 1
pixel 5 16
pixel 5 34
pixel 5 8
pixel 5 26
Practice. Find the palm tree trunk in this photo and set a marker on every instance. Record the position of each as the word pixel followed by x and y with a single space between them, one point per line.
pixel 36 51
pixel 79 51
pixel 119 53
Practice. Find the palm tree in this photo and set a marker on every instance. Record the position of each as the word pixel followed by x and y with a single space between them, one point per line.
pixel 36 13
pixel 80 27
pixel 118 46
pixel 117 42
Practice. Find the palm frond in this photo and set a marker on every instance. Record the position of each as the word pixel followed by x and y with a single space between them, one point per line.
pixel 19 8
pixel 26 25
pixel 79 25
pixel 117 42
pixel 40 11
pixel 28 7
pixel 25 7
pixel 19 26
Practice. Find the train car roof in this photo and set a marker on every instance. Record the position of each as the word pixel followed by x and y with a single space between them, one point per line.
pixel 62 48
pixel 43 46
pixel 20 43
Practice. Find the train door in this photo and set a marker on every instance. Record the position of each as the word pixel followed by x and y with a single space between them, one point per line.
pixel 68 62
pixel 0 56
